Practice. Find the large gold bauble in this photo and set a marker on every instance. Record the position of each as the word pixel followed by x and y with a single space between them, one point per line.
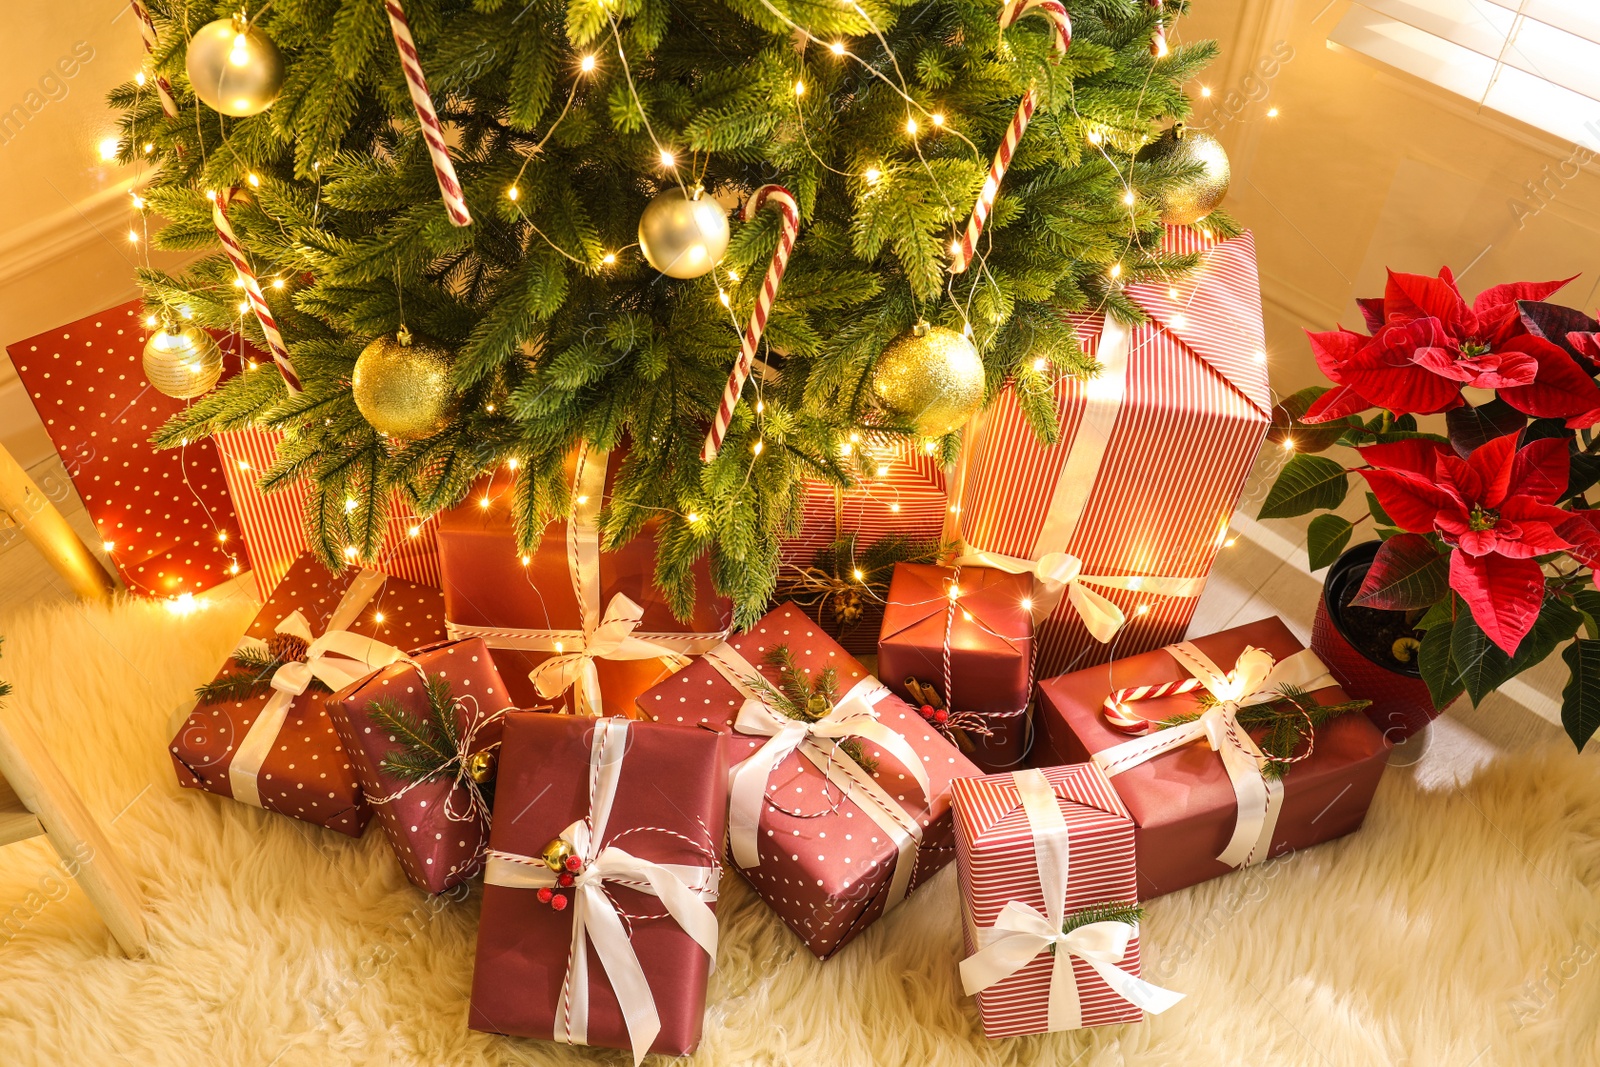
pixel 683 236
pixel 402 385
pixel 182 361
pixel 1193 200
pixel 930 377
pixel 234 67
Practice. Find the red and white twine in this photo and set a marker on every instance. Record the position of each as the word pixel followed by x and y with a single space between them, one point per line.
pixel 432 132
pixel 252 288
pixel 1056 12
pixel 147 30
pixel 783 201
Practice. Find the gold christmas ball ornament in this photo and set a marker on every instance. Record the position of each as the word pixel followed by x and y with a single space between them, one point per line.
pixel 402 385
pixel 930 377
pixel 683 236
pixel 1194 199
pixel 234 67
pixel 182 361
pixel 480 766
pixel 557 853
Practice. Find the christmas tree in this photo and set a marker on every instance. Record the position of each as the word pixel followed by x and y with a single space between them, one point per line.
pixel 564 121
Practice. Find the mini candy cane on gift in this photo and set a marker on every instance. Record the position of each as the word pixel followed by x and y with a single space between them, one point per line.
pixel 147 30
pixel 252 288
pixel 1158 40
pixel 1119 715
pixel 783 201
pixel 1056 12
pixel 432 132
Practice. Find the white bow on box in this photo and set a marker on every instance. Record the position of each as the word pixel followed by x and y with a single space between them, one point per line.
pixel 683 889
pixel 1060 574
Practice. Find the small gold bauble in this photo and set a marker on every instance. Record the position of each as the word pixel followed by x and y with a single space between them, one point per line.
pixel 930 377
pixel 1194 199
pixel 182 361
pixel 556 854
pixel 234 67
pixel 683 236
pixel 402 385
pixel 480 766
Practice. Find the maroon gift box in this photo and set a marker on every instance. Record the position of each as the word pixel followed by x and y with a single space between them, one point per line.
pixel 306 774
pixel 990 629
pixel 826 867
pixel 1182 802
pixel 673 781
pixel 431 825
pixel 493 591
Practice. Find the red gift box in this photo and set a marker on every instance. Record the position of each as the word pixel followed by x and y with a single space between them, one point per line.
pixel 568 623
pixel 278 749
pixel 1124 514
pixel 1038 852
pixel 1184 801
pixel 975 648
pixel 273 524
pixel 834 845
pixel 640 806
pixel 438 827
pixel 164 517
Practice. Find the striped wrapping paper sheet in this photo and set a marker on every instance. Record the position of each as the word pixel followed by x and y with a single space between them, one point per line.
pixel 272 523
pixel 1184 429
pixel 995 864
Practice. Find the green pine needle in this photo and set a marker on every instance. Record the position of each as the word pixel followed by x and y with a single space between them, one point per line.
pixel 1130 913
pixel 798 697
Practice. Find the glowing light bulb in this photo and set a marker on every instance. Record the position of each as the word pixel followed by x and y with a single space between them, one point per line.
pixel 1142 609
pixel 583 500
pixel 955 592
pixel 929 446
pixel 108 149
pixel 872 175
pixel 799 88
pixel 1172 294
pixel 1272 112
pixel 668 159
pixel 955 248
pixel 1095 137
pixel 608 259
pixel 483 502
pixel 511 464
pixel 1116 270
pixel 148 148
pixel 1178 321
pixel 733 275
pixel 967 615
pixel 138 203
pixel 1261 356
pixel 883 472
pixel 244 305
pixel 489 408
pixel 1039 363
pixel 243 465
pixel 722 296
pixel 222 536
pixel 1288 444
pixel 586 64
pixel 211 194
pixel 512 192
pixel 238 281
pixel 278 283
pixel 1127 198
pixel 894 506
pixel 1205 90
pixel 1027 603
pixel 150 320
pixel 937 119
pixel 758 447
pixel 413 531
pixel 349 551
pixel 1230 542
pixel 255 182
pixel 133 236
pixel 855 439
pixel 138 78
pixel 837 48
pixel 526 560
pixel 859 574
pixel 694 516
pixel 350 505
pixel 911 127
pixel 234 569
pixel 109 546
pixel 761 405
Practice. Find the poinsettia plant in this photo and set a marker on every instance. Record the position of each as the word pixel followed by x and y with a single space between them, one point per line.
pixel 1489 540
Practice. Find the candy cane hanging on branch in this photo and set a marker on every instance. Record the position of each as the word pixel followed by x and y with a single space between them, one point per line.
pixel 432 132
pixel 147 30
pixel 1158 40
pixel 783 201
pixel 252 289
pixel 962 251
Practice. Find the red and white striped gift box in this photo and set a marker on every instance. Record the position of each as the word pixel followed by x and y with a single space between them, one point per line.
pixel 1152 456
pixel 996 864
pixel 273 525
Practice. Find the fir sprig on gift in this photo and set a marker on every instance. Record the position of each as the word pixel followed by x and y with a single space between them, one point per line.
pixel 1282 722
pixel 1129 913
pixel 842 577
pixel 803 699
pixel 431 744
pixel 253 676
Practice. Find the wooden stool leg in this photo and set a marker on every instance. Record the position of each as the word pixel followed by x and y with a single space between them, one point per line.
pixel 43 524
pixel 85 851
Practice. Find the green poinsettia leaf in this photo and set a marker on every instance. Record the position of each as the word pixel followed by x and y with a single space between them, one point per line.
pixel 1580 700
pixel 1306 483
pixel 1326 538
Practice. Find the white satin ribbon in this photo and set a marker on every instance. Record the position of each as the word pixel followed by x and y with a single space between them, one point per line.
pixel 684 891
pixel 853 716
pixel 337 659
pixel 1255 679
pixel 1060 574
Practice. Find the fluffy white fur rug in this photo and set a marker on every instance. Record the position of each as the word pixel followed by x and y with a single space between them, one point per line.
pixel 1459 928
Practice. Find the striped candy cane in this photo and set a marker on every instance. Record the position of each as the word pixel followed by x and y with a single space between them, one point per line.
pixel 432 132
pixel 782 200
pixel 1056 12
pixel 252 288
pixel 1119 715
pixel 1158 40
pixel 147 30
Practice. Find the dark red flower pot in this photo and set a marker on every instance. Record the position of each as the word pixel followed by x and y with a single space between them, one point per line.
pixel 1401 704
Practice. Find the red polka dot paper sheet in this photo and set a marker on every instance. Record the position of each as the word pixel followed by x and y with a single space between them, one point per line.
pixel 164 517
pixel 825 865
pixel 307 775
pixel 433 827
pixel 996 864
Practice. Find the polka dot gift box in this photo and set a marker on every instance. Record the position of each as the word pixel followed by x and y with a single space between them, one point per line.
pixel 833 821
pixel 438 827
pixel 275 746
pixel 164 518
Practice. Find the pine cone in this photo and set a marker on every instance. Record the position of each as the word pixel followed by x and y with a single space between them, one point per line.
pixel 848 606
pixel 287 648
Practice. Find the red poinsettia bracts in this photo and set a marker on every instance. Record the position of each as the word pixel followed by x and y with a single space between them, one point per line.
pixel 1428 344
pixel 1496 507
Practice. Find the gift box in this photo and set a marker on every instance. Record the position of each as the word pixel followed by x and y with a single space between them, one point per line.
pixel 273 524
pixel 623 927
pixel 438 826
pixel 1044 860
pixel 1120 519
pixel 275 746
pixel 829 843
pixel 1200 813
pixel 970 627
pixel 163 517
pixel 567 623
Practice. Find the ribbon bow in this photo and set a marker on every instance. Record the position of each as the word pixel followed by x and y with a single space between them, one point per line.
pixel 1060 574
pixel 1256 679
pixel 683 890
pixel 613 639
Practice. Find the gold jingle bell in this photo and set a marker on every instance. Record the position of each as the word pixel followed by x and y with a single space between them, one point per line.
pixel 480 766
pixel 557 853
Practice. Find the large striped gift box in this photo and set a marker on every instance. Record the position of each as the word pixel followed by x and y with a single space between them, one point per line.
pixel 1153 453
pixel 1056 842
